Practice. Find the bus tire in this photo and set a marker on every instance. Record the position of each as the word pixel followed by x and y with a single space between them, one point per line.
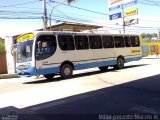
pixel 104 68
pixel 120 63
pixel 66 71
pixel 49 76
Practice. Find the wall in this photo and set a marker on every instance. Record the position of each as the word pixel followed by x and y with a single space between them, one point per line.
pixel 10 58
pixel 149 48
pixel 3 64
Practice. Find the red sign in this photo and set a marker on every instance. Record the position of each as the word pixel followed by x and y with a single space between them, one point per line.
pixel 114 1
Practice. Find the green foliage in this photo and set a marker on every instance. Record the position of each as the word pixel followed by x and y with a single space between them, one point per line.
pixel 144 35
pixel 148 37
pixel 2 46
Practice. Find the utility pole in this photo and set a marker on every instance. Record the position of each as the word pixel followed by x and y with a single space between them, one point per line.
pixel 45 19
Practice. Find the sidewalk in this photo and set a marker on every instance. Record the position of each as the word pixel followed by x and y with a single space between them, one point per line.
pixel 5 76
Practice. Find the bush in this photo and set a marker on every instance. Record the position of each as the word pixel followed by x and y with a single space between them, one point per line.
pixel 2 46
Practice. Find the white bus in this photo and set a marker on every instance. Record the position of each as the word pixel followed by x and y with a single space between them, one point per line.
pixel 50 53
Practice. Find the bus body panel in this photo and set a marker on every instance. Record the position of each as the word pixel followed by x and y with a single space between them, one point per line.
pixel 128 53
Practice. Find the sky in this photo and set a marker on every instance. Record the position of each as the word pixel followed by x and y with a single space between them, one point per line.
pixel 19 16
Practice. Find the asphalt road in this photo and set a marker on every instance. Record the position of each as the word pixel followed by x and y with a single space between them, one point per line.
pixel 130 93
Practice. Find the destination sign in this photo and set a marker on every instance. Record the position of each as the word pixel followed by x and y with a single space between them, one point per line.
pixel 25 37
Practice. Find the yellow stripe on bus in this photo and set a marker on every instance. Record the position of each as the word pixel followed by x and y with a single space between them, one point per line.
pixel 135 51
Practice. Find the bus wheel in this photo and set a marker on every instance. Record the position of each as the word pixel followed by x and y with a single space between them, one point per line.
pixel 66 71
pixel 104 68
pixel 120 63
pixel 49 76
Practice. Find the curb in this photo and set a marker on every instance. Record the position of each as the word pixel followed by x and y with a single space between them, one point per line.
pixel 5 76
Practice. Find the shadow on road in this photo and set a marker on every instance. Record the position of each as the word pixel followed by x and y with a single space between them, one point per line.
pixel 138 97
pixel 80 75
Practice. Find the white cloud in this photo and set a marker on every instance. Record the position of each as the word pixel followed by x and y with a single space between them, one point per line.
pixel 10 29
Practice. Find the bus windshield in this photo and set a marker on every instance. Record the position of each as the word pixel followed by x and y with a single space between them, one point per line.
pixel 24 51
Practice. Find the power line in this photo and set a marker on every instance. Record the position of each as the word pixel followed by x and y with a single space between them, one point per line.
pixel 62 18
pixel 2 6
pixel 149 3
pixel 30 8
pixel 15 18
pixel 32 13
pixel 80 8
pixel 136 28
pixel 85 9
pixel 67 17
pixel 129 27
pixel 19 12
pixel 83 20
pixel 133 29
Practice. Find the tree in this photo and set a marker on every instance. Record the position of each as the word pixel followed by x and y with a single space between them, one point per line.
pixel 143 35
pixel 2 46
pixel 155 35
pixel 147 37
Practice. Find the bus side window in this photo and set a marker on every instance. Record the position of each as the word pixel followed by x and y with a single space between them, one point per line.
pixel 45 46
pixel 119 41
pixel 135 41
pixel 127 41
pixel 108 41
pixel 95 42
pixel 66 42
pixel 81 42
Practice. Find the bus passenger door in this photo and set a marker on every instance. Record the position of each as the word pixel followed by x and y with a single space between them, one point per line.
pixel 45 48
